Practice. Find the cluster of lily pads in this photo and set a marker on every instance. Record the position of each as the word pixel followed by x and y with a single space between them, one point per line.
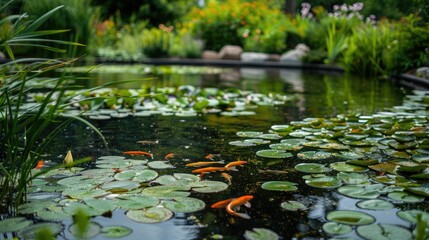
pixel 183 101
pixel 117 183
pixel 381 159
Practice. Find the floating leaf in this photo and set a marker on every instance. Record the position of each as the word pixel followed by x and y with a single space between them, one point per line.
pixel 279 186
pixel 375 204
pixel 256 141
pixel 166 192
pixel 249 134
pixel 405 197
pixel 14 224
pixel 421 157
pixel 92 230
pixel 242 143
pixel 338 146
pixel 49 215
pixel 293 205
pixel 31 232
pixel 313 155
pixel 115 231
pixel 184 204
pixel 345 167
pixel 282 128
pixel 349 155
pixel 422 190
pixel 145 175
pixel 125 175
pixel 334 228
pixel 384 232
pixel 120 186
pixel 352 178
pixel 364 192
pixel 350 217
pixel 35 206
pixel 150 215
pixel 270 136
pixel 159 165
pixel 208 186
pixel 312 168
pixel 84 193
pixel 363 163
pixel 273 154
pixel 260 234
pixel 384 167
pixel 324 182
pixel 135 202
pixel 411 215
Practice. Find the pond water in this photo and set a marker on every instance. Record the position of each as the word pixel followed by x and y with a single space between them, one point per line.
pixel 191 139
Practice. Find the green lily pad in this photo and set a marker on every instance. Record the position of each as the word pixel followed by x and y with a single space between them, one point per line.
pixel 269 153
pixel 55 216
pixel 334 228
pixel 292 144
pixel 167 192
pixel 363 163
pixel 84 193
pixel 312 168
pixel 145 175
pixel 260 234
pixel 349 155
pixel 338 146
pixel 300 134
pixel 345 167
pixel 421 157
pixel 293 205
pixel 92 230
pixel 184 204
pixel 363 192
pixel 422 190
pixel 208 186
pixel 396 153
pixel 159 165
pixel 313 155
pixel 355 136
pixel 352 178
pixel 384 232
pixel 249 134
pixel 115 231
pixel 279 186
pixel 14 224
pixel 257 141
pixel 384 167
pixel 33 207
pixel 125 175
pixel 31 232
pixel 405 197
pixel 353 218
pixel 270 136
pixel 411 215
pixel 324 182
pixel 120 186
pixel 282 128
pixel 375 204
pixel 150 215
pixel 242 144
pixel 135 202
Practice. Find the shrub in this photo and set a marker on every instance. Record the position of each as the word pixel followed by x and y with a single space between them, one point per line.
pixel 156 41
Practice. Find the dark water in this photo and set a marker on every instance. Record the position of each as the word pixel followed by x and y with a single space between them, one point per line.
pixel 319 95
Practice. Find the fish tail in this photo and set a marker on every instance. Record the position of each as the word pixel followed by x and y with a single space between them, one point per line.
pixel 242 215
pixel 232 168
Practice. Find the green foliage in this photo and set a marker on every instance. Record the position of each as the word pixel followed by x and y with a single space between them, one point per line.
pixel 76 17
pixel 156 41
pixel 253 25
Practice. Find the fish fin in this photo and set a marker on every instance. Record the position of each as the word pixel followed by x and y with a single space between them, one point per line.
pixel 247 204
pixel 232 169
pixel 242 215
pixel 221 162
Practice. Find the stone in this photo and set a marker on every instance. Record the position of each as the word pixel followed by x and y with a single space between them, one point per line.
pixel 422 72
pixel 210 55
pixel 253 57
pixel 295 55
pixel 230 52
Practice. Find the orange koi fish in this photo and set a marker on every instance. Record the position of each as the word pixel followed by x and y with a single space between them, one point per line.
pixel 200 164
pixel 232 165
pixel 168 156
pixel 40 164
pixel 138 153
pixel 208 169
pixel 227 177
pixel 211 156
pixel 117 170
pixel 222 204
pixel 237 202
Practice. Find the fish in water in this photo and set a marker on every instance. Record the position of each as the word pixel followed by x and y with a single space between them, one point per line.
pixel 269 171
pixel 211 156
pixel 233 204
pixel 208 169
pixel 138 153
pixel 40 164
pixel 227 177
pixel 232 165
pixel 170 155
pixel 201 164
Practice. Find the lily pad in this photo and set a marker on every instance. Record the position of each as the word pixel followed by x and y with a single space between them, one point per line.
pixel 184 204
pixel 375 204
pixel 260 234
pixel 421 157
pixel 14 224
pixel 55 216
pixel 31 232
pixel 411 215
pixel 249 134
pixel 268 153
pixel 257 141
pixel 208 186
pixel 150 215
pixel 93 229
pixel 422 190
pixel 115 231
pixel 405 197
pixel 270 136
pixel 324 182
pixel 282 128
pixel 384 232
pixel 242 144
pixel 279 186
pixel 159 165
pixel 293 205
pixel 363 192
pixel 84 193
pixel 312 168
pixel 125 175
pixel 145 175
pixel 135 202
pixel 352 178
pixel 345 167
pixel 166 192
pixel 334 228
pixel 313 155
pixel 120 186
pixel 353 218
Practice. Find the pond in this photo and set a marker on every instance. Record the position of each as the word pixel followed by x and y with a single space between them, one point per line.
pixel 295 144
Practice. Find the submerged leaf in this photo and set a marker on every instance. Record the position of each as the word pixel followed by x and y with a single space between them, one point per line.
pixel 334 228
pixel 115 231
pixel 261 234
pixel 150 215
pixel 350 217
pixel 279 186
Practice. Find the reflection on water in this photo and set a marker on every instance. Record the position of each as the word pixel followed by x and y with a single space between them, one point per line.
pixel 318 95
